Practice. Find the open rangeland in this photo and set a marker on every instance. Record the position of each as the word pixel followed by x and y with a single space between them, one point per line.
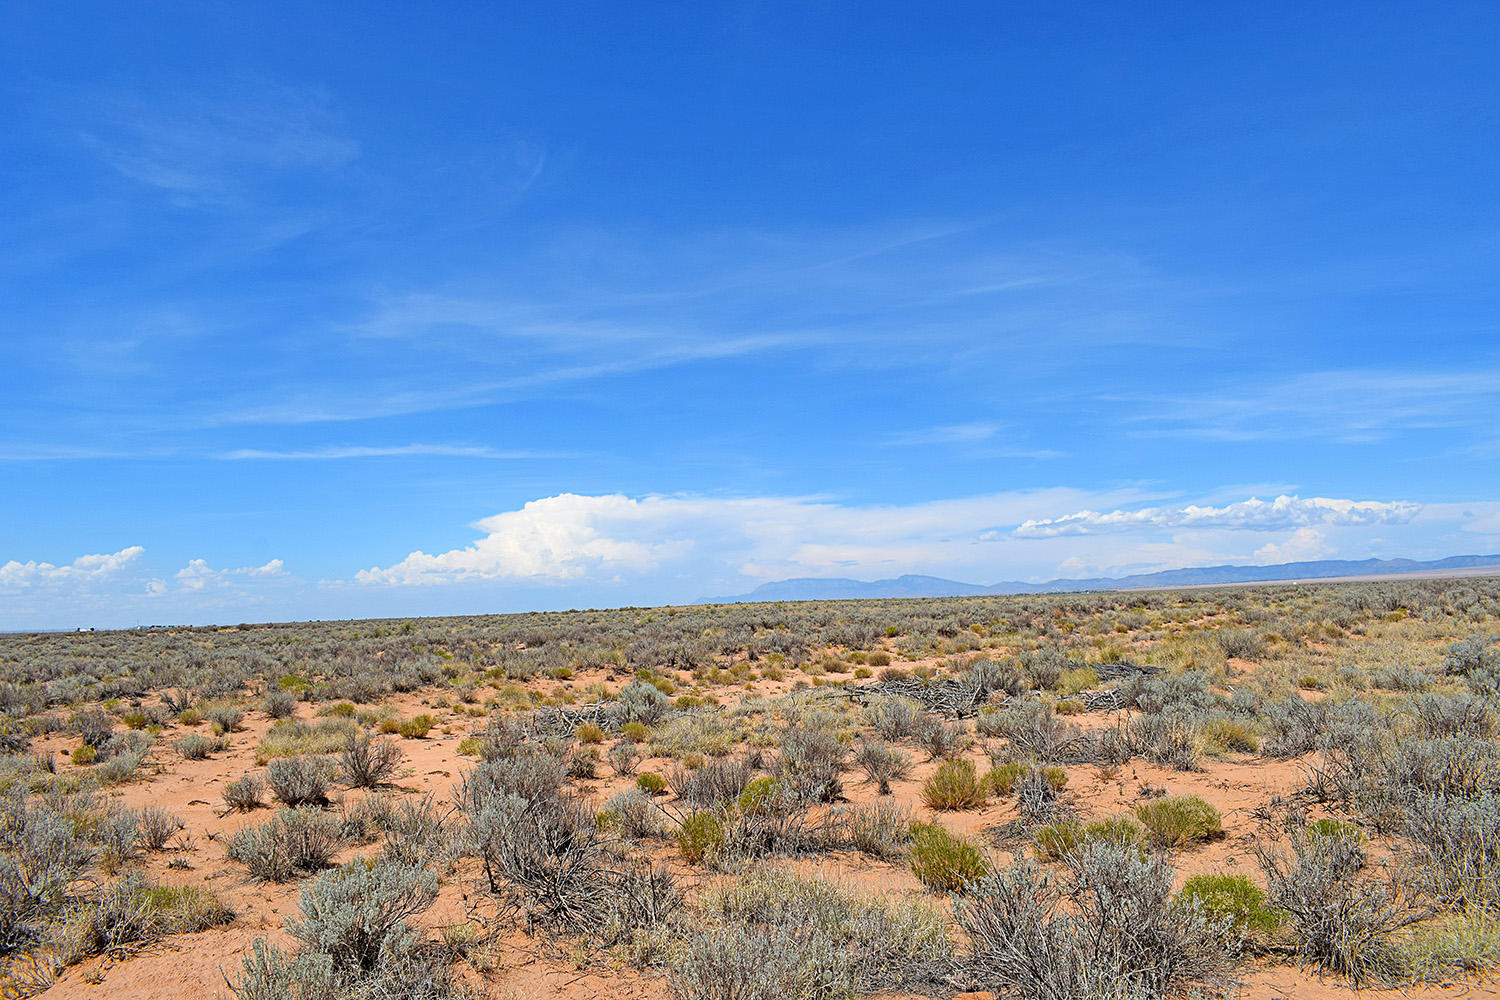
pixel 1288 791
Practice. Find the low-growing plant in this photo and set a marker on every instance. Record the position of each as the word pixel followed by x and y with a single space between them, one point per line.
pixel 366 763
pixel 296 842
pixel 355 942
pixel 1107 927
pixel 417 727
pixel 134 911
pixel 196 746
pixel 880 829
pixel 1343 916
pixel 954 785
pixel 716 782
pixel 293 737
pixel 811 762
pixel 224 718
pixel 944 862
pixel 624 757
pixel 701 833
pixel 1233 899
pixel 357 914
pixel 243 794
pixel 582 762
pixel 1058 839
pixel 1180 820
pixel 634 814
pixel 157 826
pixel 777 936
pixel 1120 831
pixel 882 764
pixel 1226 734
pixel 1002 778
pixel 940 739
pixel 297 781
pixel 892 719
pixel 279 703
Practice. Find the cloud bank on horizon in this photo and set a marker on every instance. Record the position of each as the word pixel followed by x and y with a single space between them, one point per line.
pixel 569 549
pixel 306 330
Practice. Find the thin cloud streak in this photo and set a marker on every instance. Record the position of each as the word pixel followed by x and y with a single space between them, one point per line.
pixel 1351 405
pixel 335 452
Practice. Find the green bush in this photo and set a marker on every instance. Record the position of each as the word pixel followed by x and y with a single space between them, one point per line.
pixel 954 785
pixel 701 833
pixel 760 795
pixel 1122 831
pixel 417 727
pixel 1235 899
pixel 651 784
pixel 944 862
pixel 1003 778
pixel 1180 820
pixel 1055 841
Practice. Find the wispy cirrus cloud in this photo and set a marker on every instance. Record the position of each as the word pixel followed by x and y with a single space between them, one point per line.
pixel 967 433
pixel 335 452
pixel 203 149
pixel 1253 515
pixel 982 439
pixel 1350 405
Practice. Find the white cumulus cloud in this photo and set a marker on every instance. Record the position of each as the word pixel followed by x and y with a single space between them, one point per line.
pixel 1302 545
pixel 1254 515
pixel 571 537
pixel 198 574
pixel 16 574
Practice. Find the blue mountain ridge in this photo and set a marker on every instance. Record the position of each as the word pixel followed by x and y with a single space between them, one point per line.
pixel 912 585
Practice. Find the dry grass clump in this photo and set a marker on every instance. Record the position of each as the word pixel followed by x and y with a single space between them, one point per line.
pixel 300 781
pixel 881 829
pixel 134 911
pixel 296 842
pixel 777 936
pixel 293 737
pixel 367 763
pixel 1342 912
pixel 882 764
pixel 1107 927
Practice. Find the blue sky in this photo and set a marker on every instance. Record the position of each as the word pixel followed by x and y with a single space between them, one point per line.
pixel 324 310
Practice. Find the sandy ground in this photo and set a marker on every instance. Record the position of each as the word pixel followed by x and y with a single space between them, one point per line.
pixel 516 968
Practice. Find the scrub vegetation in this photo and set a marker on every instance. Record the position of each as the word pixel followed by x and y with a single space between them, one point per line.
pixel 1152 795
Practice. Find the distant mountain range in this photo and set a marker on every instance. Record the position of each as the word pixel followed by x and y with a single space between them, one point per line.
pixel 834 589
